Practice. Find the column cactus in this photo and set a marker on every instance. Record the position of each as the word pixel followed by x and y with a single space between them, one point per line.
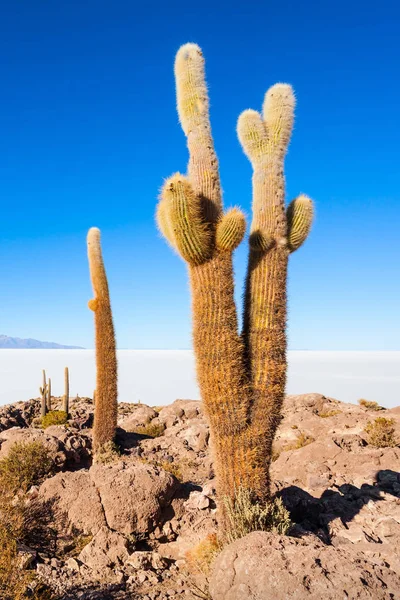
pixel 43 395
pixel 105 417
pixel 66 391
pixel 48 403
pixel 241 376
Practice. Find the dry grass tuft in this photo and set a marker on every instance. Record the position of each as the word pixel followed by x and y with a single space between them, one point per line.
pixel 381 433
pixel 201 557
pixel 302 440
pixel 329 413
pixel 370 405
pixel 54 417
pixel 151 429
pixel 244 515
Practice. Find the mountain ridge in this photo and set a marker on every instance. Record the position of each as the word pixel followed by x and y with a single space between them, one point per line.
pixel 31 344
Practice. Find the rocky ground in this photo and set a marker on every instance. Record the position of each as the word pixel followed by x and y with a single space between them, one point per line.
pixel 123 530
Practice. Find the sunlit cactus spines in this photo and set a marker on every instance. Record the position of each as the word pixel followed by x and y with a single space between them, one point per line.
pixel 241 376
pixel 105 416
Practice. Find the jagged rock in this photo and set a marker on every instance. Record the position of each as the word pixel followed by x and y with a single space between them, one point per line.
pixel 107 551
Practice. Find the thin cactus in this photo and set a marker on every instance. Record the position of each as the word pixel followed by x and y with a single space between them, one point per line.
pixel 43 395
pixel 66 391
pixel 48 401
pixel 105 415
pixel 241 377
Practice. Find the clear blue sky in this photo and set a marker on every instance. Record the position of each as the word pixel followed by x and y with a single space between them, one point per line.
pixel 88 131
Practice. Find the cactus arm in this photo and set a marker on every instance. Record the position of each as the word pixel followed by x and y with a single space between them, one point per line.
pixel 230 230
pixel 299 216
pixel 192 236
pixel 105 420
pixel 193 111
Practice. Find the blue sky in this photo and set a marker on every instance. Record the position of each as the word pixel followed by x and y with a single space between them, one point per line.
pixel 88 131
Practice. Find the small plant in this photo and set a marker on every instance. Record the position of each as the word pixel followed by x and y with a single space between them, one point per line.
pixel 302 440
pixel 13 580
pixel 54 417
pixel 329 413
pixel 381 433
pixel 370 405
pixel 151 429
pixel 108 453
pixel 172 468
pixel 79 544
pixel 244 515
pixel 201 557
pixel 27 464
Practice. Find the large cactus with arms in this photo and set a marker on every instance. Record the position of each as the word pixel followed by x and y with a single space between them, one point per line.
pixel 241 377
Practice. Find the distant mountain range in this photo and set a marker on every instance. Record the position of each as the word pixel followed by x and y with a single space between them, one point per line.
pixel 18 343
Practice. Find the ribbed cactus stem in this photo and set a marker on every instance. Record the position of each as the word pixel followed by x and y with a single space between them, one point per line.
pixel 66 391
pixel 43 394
pixel 265 139
pixel 105 419
pixel 48 403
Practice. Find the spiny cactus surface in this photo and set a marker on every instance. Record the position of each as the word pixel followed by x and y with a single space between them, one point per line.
pixel 241 376
pixel 105 416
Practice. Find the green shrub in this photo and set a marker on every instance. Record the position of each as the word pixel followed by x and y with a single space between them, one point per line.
pixel 54 417
pixel 381 433
pixel 27 464
pixel 244 515
pixel 108 453
pixel 370 405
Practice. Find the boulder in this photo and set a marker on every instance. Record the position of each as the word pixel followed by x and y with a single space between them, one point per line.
pixel 264 566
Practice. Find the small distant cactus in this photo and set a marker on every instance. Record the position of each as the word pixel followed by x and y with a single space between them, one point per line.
pixel 43 394
pixel 48 402
pixel 66 391
pixel 106 409
pixel 241 377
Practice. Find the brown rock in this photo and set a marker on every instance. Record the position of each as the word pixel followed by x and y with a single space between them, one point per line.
pixel 263 566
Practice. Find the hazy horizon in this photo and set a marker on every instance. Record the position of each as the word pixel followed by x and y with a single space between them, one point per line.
pixel 159 377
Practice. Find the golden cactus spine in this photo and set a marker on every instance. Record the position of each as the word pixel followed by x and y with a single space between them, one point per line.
pixel 241 378
pixel 66 391
pixel 105 418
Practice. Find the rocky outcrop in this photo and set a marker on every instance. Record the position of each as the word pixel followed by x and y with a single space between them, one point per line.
pixel 124 528
pixel 264 566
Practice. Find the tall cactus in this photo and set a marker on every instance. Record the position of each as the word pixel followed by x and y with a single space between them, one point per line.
pixel 43 395
pixel 105 418
pixel 66 391
pixel 48 402
pixel 241 377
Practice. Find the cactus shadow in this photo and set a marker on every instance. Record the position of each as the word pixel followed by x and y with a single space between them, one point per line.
pixel 345 501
